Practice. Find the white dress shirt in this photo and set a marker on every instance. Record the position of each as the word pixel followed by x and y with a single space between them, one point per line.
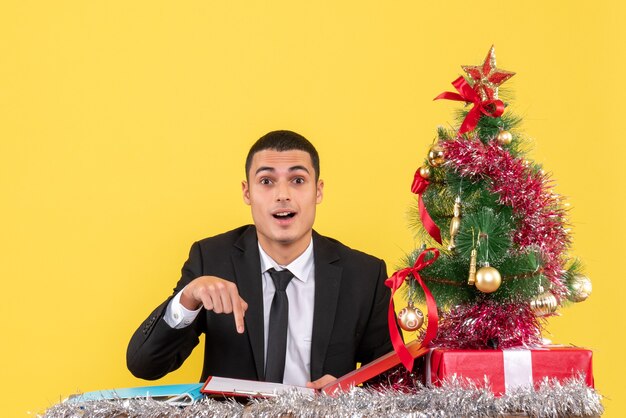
pixel 301 295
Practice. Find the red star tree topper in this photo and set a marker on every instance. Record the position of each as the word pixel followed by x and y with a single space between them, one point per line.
pixel 487 77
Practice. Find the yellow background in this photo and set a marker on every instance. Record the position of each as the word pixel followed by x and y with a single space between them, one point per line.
pixel 124 126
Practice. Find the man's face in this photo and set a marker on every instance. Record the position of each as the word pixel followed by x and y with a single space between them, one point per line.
pixel 282 193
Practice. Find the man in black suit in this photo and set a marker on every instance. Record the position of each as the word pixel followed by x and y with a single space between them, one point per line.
pixel 327 313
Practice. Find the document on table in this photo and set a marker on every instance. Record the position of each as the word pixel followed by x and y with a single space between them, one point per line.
pixel 216 385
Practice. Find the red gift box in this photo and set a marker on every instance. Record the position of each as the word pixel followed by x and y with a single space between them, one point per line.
pixel 508 369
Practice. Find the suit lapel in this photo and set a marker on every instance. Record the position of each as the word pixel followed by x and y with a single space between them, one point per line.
pixel 247 264
pixel 327 285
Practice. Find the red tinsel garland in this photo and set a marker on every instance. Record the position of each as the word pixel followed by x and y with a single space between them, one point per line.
pixel 489 324
pixel 527 192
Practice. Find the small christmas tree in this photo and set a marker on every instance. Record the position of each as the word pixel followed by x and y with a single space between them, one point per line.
pixel 502 265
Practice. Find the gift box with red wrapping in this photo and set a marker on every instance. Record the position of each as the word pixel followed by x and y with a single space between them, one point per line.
pixel 508 369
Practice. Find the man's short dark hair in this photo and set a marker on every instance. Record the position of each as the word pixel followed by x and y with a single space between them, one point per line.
pixel 284 141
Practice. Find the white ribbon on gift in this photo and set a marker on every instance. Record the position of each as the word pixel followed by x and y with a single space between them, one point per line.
pixel 518 369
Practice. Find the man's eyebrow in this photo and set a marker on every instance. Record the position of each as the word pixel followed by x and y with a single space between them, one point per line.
pixel 272 169
pixel 298 167
pixel 264 168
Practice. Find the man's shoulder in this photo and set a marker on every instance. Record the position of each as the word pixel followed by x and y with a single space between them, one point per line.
pixel 342 250
pixel 227 238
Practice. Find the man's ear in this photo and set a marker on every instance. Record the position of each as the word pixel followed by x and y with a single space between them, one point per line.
pixel 320 191
pixel 245 189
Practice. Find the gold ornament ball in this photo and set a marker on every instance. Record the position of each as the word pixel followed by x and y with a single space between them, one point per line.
pixel 436 155
pixel 504 138
pixel 544 304
pixel 580 288
pixel 425 172
pixel 410 318
pixel 488 279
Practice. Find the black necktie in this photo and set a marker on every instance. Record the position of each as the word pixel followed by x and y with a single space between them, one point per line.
pixel 277 335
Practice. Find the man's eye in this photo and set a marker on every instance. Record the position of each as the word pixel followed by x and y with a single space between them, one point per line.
pixel 265 180
pixel 298 180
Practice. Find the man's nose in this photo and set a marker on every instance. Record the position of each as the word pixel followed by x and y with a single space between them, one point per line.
pixel 282 192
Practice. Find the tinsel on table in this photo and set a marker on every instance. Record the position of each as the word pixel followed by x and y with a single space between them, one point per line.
pixel 454 398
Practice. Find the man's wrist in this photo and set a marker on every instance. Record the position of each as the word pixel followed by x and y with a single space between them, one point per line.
pixel 188 301
pixel 177 315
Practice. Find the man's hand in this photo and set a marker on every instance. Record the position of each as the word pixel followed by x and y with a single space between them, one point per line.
pixel 217 295
pixel 321 382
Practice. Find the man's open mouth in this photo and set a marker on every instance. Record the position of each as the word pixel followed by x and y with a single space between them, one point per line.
pixel 284 215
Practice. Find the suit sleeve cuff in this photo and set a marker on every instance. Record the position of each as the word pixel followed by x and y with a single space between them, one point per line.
pixel 177 316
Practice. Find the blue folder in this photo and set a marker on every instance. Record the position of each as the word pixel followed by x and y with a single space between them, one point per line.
pixel 184 394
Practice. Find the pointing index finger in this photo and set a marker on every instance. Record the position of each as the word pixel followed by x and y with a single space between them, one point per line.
pixel 238 310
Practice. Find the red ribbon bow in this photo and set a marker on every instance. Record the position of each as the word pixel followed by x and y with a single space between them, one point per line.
pixel 419 186
pixel 394 282
pixel 492 108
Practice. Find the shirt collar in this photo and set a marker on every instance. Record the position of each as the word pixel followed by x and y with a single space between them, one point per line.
pixel 300 267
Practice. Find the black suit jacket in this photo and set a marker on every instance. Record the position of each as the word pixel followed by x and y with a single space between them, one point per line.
pixel 349 320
